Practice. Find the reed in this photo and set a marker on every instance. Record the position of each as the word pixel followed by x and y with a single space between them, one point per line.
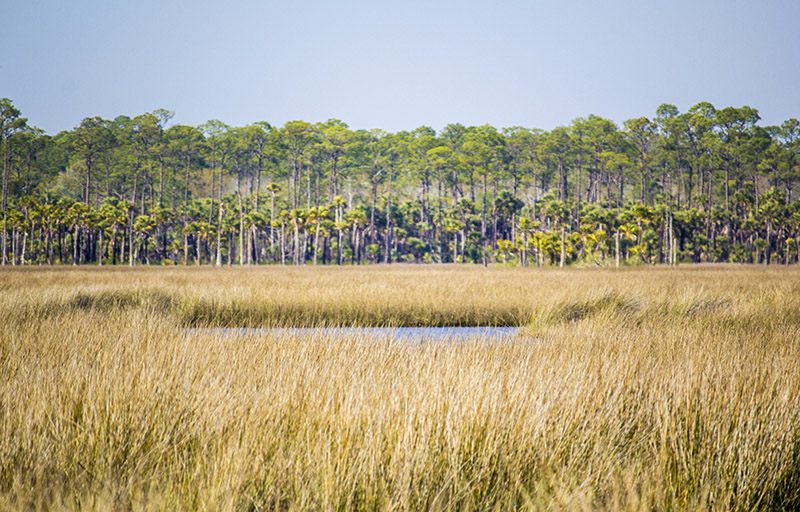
pixel 637 389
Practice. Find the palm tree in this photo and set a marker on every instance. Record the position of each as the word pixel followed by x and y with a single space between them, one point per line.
pixel 315 217
pixel 47 213
pixel 143 225
pixel 100 222
pixel 273 188
pixel 525 225
pixel 594 242
pixel 76 212
pixel 259 223
pixel 454 227
pixel 630 233
pixel 126 209
pixel 357 218
pixel 283 217
pixel 202 231
pixel 505 248
pixel 539 242
pixel 17 223
pixel 248 223
pixel 298 218
pixel 559 214
pixel 161 217
pixel 35 220
pixel 338 202
pixel 114 220
pixel 772 214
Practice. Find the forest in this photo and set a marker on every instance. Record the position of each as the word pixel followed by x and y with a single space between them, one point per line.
pixel 707 185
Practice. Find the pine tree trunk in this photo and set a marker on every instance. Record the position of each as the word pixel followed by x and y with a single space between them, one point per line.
pixel 241 227
pixel 219 231
pixel 387 255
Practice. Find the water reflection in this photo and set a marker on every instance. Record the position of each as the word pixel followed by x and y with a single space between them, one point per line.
pixel 412 334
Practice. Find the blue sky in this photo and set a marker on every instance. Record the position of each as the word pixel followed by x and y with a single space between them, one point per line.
pixel 396 65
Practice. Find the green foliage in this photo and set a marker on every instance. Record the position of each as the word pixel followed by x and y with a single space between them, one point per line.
pixel 706 185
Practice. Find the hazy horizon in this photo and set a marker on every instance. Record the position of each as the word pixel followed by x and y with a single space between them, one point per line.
pixel 396 66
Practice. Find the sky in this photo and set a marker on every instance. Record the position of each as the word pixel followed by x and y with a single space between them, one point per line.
pixel 396 65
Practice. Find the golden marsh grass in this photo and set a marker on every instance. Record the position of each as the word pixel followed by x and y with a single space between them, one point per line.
pixel 645 388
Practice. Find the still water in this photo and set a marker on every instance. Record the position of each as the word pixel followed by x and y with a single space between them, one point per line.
pixel 412 334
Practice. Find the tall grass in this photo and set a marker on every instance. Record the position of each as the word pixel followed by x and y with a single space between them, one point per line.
pixel 638 389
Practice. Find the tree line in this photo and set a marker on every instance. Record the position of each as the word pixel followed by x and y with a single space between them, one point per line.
pixel 707 185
